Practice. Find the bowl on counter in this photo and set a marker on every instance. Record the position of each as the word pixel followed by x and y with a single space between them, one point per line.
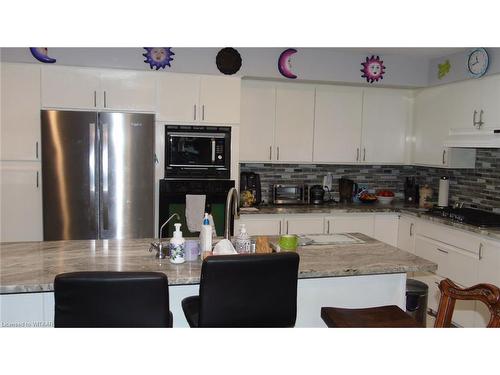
pixel 385 200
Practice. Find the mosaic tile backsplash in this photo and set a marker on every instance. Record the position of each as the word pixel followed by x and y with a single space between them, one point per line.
pixel 478 188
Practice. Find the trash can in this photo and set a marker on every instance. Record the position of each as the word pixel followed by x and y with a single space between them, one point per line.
pixel 416 300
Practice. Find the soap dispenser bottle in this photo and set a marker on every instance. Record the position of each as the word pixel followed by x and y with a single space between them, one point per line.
pixel 242 244
pixel 177 246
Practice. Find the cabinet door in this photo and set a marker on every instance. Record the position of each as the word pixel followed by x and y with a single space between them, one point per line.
pixel 220 100
pixel 386 228
pixel 21 201
pixel 463 98
pixel 128 90
pixel 258 115
pixel 178 97
pixel 489 98
pixel 294 123
pixel 488 271
pixel 386 115
pixel 20 114
pixel 304 225
pixel 72 88
pixel 337 124
pixel 359 223
pixel 257 225
pixel 406 234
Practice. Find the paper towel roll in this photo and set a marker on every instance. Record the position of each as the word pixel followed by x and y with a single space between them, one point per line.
pixel 444 188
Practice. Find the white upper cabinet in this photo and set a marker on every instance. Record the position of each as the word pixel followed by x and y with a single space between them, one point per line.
pixel 71 88
pixel 337 124
pixel 294 123
pixel 178 97
pixel 433 119
pixel 220 99
pixel 189 98
pixel 386 119
pixel 21 201
pixel 258 115
pixel 81 88
pixel 128 90
pixel 20 112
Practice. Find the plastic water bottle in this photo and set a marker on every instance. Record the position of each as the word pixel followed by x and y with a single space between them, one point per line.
pixel 242 244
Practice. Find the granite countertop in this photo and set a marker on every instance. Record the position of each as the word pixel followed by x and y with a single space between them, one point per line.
pixel 31 266
pixel 396 206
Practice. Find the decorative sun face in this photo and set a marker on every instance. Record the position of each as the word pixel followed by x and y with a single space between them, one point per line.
pixel 158 57
pixel 373 69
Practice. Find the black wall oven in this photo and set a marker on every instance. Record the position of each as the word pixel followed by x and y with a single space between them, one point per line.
pixel 193 152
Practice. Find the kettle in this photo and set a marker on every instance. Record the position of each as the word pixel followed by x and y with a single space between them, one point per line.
pixel 316 194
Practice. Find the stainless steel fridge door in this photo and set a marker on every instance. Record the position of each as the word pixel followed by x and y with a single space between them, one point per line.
pixel 126 204
pixel 69 177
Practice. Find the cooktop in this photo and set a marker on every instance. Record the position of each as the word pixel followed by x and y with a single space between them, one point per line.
pixel 470 216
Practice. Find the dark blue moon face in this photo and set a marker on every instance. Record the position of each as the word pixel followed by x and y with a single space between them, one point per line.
pixel 40 53
pixel 158 57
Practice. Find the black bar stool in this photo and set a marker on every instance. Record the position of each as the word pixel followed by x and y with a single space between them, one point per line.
pixel 248 290
pixel 112 299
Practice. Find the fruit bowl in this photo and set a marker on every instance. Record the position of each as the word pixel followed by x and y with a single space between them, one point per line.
pixel 367 198
pixel 385 200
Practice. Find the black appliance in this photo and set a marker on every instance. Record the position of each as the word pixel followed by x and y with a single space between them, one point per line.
pixel 347 189
pixel 411 191
pixel 193 152
pixel 470 216
pixel 173 200
pixel 251 181
pixel 289 194
pixel 316 194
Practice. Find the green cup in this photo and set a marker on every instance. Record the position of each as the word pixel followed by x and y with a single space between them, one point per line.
pixel 288 242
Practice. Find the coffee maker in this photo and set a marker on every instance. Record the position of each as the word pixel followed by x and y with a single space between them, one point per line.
pixel 250 181
pixel 411 191
pixel 347 188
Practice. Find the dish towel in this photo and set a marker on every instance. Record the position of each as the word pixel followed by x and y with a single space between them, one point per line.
pixel 195 210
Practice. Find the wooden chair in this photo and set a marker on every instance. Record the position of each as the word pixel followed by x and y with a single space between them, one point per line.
pixel 450 292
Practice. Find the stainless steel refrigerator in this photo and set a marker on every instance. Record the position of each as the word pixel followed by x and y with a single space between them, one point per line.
pixel 97 175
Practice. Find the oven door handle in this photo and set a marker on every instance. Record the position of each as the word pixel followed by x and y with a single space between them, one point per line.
pixel 213 150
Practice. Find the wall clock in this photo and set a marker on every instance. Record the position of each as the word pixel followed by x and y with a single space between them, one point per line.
pixel 478 62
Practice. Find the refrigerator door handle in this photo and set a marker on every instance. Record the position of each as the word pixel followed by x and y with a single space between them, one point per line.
pixel 213 150
pixel 105 175
pixel 92 171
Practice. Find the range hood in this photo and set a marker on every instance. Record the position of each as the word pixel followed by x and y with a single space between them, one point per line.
pixel 474 138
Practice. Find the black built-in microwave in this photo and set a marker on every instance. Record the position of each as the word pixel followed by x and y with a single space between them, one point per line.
pixel 194 152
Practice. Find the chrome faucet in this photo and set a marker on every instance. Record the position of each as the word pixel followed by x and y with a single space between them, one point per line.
pixel 161 253
pixel 232 204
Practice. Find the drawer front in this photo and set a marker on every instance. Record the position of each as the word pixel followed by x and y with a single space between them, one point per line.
pixel 260 226
pixel 304 225
pixel 458 265
pixel 453 237
pixel 351 224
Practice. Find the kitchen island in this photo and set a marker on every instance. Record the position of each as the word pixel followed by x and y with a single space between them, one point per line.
pixel 363 274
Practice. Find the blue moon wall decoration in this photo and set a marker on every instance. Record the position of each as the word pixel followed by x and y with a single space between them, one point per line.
pixel 373 69
pixel 40 53
pixel 285 63
pixel 158 57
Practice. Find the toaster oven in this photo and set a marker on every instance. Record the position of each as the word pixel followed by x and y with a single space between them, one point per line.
pixel 290 194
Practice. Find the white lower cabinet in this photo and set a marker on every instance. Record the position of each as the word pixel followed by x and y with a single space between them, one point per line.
pixel 406 234
pixel 307 224
pixel 488 271
pixel 385 228
pixel 267 225
pixel 21 201
pixel 350 223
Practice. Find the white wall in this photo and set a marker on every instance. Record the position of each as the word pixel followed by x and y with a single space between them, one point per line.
pixel 458 70
pixel 312 64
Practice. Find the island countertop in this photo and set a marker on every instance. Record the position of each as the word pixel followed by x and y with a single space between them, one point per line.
pixel 27 267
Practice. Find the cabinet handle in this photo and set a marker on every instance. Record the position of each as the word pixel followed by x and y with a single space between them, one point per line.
pixel 411 229
pixel 444 157
pixel 270 152
pixel 37 179
pixel 36 149
pixel 95 98
pixel 194 112
pixel 357 154
pixel 203 112
pixel 328 227
pixel 441 250
pixel 287 227
pixel 278 153
pixel 481 123
pixel 104 99
pixel 280 229
pixel 364 154
pixel 474 119
pixel 480 251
